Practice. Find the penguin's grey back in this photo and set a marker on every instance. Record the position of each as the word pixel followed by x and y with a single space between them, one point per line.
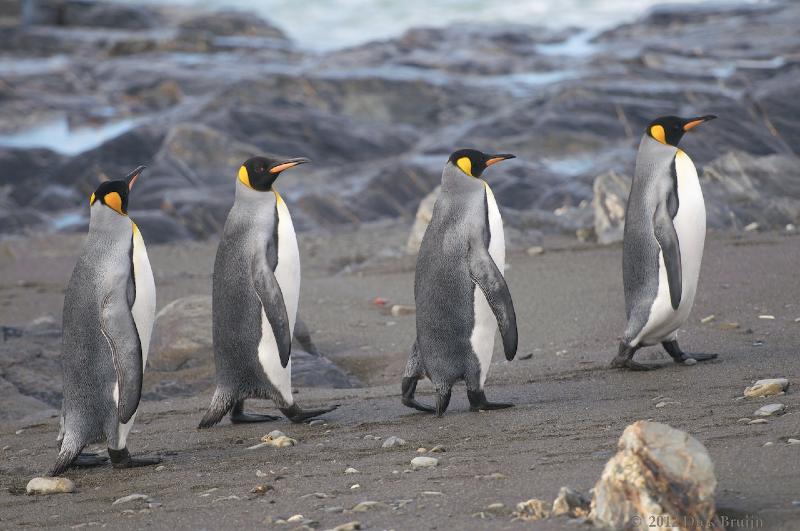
pixel 653 178
pixel 443 289
pixel 249 234
pixel 104 265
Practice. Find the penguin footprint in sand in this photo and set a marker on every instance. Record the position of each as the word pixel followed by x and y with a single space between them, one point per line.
pixel 459 288
pixel 256 289
pixel 109 307
pixel 665 229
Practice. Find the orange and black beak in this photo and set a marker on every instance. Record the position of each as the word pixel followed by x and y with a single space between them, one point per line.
pixel 291 163
pixel 691 123
pixel 494 159
pixel 132 176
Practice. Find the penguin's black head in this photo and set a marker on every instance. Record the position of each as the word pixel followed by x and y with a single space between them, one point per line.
pixel 114 194
pixel 670 129
pixel 473 162
pixel 259 173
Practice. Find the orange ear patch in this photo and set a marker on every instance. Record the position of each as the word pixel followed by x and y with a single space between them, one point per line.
pixel 657 132
pixel 244 177
pixel 465 164
pixel 114 202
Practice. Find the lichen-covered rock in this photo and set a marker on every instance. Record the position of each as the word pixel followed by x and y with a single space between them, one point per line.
pixel 657 471
pixel 610 197
pixel 571 503
pixel 421 221
pixel 50 486
pixel 768 387
pixel 532 510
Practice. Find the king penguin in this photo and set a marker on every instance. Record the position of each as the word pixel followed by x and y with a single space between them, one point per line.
pixel 109 307
pixel 256 289
pixel 665 228
pixel 459 288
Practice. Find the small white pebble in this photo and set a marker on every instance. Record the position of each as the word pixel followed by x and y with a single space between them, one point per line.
pixel 767 317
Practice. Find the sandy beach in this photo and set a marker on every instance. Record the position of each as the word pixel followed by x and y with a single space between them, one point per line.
pixel 570 409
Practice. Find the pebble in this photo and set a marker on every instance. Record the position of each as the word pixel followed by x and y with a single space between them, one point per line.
pixel 708 318
pixel 729 326
pixel 393 441
pixel 769 410
pixel 365 506
pixel 130 498
pixel 768 443
pixel 399 310
pixel 493 475
pixel 277 439
pixel 317 422
pixel 767 387
pixel 351 470
pixel 797 320
pixel 349 526
pixel 665 403
pixel 750 227
pixel 431 493
pixel 536 250
pixel 424 462
pixel 422 450
pixel 334 509
pixel 354 487
pixel 758 421
pixel 260 474
pixel 50 486
pixel 159 468
pixel 438 449
pixel 767 317
pixel 532 510
pixel 295 518
pixel 690 361
pixel 496 508
pixel 261 489
pixel 793 441
pixel 743 420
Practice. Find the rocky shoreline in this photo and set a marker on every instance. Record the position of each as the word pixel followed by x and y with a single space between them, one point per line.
pixel 101 88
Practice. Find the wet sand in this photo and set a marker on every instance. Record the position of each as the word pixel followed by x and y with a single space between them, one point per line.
pixel 570 408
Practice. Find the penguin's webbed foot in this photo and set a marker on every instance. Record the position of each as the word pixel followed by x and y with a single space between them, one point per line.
pixel 122 459
pixel 299 415
pixel 248 418
pixel 87 460
pixel 684 358
pixel 409 387
pixel 629 364
pixel 478 402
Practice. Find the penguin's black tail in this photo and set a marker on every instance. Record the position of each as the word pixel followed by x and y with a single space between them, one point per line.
pixel 69 451
pixel 221 403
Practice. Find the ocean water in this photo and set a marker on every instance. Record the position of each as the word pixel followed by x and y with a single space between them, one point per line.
pixel 331 24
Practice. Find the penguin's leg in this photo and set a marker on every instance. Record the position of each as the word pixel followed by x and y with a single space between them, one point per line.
pixel 477 396
pixel 442 400
pixel 70 448
pixel 414 371
pixel 624 359
pixel 122 459
pixel 238 416
pixel 679 356
pixel 222 402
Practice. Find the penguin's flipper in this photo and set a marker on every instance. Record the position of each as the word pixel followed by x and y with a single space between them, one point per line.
pixel 489 279
pixel 269 291
pixel 119 329
pixel 667 239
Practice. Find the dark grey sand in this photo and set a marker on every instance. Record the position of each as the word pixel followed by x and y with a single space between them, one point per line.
pixel 570 409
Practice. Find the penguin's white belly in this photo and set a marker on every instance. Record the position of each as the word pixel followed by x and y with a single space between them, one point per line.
pixel 485 328
pixel 690 225
pixel 143 311
pixel 287 273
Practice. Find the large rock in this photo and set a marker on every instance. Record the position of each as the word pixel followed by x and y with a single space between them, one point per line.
pixel 660 477
pixel 741 189
pixel 421 221
pixel 610 198
pixel 231 23
pixel 182 342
